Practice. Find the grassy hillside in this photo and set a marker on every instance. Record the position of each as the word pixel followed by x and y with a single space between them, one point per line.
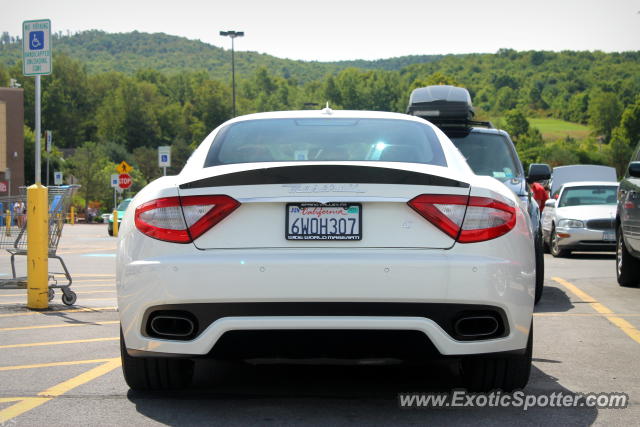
pixel 553 129
pixel 129 52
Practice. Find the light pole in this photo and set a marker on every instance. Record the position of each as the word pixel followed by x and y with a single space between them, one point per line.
pixel 233 35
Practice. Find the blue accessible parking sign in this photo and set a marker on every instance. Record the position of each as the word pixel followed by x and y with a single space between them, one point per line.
pixel 36 47
pixel 36 40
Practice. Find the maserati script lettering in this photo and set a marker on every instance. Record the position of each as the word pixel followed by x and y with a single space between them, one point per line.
pixel 324 188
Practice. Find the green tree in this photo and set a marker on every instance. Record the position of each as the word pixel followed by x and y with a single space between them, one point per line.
pixel 129 115
pixel 516 124
pixel 630 123
pixel 506 99
pixel 67 109
pixel 619 151
pixel 92 168
pixel 145 160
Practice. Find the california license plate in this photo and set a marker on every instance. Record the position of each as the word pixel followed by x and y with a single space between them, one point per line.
pixel 609 236
pixel 330 221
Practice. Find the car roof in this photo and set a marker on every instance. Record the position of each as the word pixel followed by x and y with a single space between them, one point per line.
pixel 589 183
pixel 328 113
pixel 489 130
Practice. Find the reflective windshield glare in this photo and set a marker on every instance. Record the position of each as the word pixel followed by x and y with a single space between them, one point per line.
pixel 589 195
pixel 294 140
pixel 488 154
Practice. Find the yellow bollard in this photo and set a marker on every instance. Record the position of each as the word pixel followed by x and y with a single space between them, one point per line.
pixel 115 223
pixel 72 216
pixel 8 222
pixel 37 247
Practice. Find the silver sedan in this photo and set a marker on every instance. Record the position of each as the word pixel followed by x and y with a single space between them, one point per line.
pixel 582 218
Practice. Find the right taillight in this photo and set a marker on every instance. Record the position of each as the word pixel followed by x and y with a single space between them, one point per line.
pixel 466 219
pixel 182 219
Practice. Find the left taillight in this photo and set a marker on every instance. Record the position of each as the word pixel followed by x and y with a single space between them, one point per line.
pixel 467 219
pixel 182 219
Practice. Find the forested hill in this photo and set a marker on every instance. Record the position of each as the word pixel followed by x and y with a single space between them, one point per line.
pixel 129 52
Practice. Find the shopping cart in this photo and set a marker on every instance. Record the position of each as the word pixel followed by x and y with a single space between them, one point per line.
pixel 13 237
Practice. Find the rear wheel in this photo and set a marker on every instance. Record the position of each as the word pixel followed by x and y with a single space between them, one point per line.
pixel 507 373
pixel 153 374
pixel 627 267
pixel 539 270
pixel 555 246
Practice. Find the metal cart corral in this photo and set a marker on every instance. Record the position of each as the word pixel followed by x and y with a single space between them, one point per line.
pixel 13 237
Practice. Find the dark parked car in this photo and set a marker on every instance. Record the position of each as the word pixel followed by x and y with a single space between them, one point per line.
pixel 628 225
pixel 488 151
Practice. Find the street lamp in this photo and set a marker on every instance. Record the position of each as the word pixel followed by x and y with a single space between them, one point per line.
pixel 233 35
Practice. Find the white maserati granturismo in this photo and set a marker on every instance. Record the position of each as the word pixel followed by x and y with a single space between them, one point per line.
pixel 332 234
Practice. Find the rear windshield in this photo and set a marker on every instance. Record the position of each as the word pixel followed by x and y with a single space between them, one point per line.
pixel 488 154
pixel 300 140
pixel 589 195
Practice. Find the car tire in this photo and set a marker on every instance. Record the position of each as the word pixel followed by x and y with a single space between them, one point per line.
pixel 507 373
pixel 627 267
pixel 110 231
pixel 155 373
pixel 539 269
pixel 546 245
pixel 555 249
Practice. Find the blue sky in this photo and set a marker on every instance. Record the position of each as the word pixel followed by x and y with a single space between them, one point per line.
pixel 326 30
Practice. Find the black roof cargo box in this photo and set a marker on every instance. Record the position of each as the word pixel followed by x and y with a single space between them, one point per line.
pixel 436 103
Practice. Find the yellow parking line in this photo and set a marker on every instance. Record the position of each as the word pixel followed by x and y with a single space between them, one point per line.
pixel 88 251
pixel 53 312
pixel 622 324
pixel 94 275
pixel 106 285
pixel 553 314
pixel 10 399
pixel 82 281
pixel 25 404
pixel 29 403
pixel 51 364
pixel 38 344
pixel 83 299
pixel 64 325
pixel 79 293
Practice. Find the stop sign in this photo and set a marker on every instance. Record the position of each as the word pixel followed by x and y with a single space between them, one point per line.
pixel 124 181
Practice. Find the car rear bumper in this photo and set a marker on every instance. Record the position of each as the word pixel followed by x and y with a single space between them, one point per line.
pixel 376 289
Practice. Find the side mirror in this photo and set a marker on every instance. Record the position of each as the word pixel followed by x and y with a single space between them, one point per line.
pixel 550 203
pixel 538 172
pixel 634 169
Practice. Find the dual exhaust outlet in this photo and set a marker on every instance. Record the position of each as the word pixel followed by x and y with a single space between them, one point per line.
pixel 172 326
pixel 183 326
pixel 476 327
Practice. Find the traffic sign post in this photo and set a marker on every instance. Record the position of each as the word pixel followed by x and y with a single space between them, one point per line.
pixel 124 167
pixel 164 158
pixel 124 181
pixel 57 178
pixel 49 138
pixel 36 47
pixel 115 185
pixel 36 61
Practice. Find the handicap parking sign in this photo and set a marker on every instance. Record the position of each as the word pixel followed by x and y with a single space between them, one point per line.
pixel 36 40
pixel 36 47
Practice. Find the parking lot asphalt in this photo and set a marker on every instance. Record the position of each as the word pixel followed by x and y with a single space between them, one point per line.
pixel 62 366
